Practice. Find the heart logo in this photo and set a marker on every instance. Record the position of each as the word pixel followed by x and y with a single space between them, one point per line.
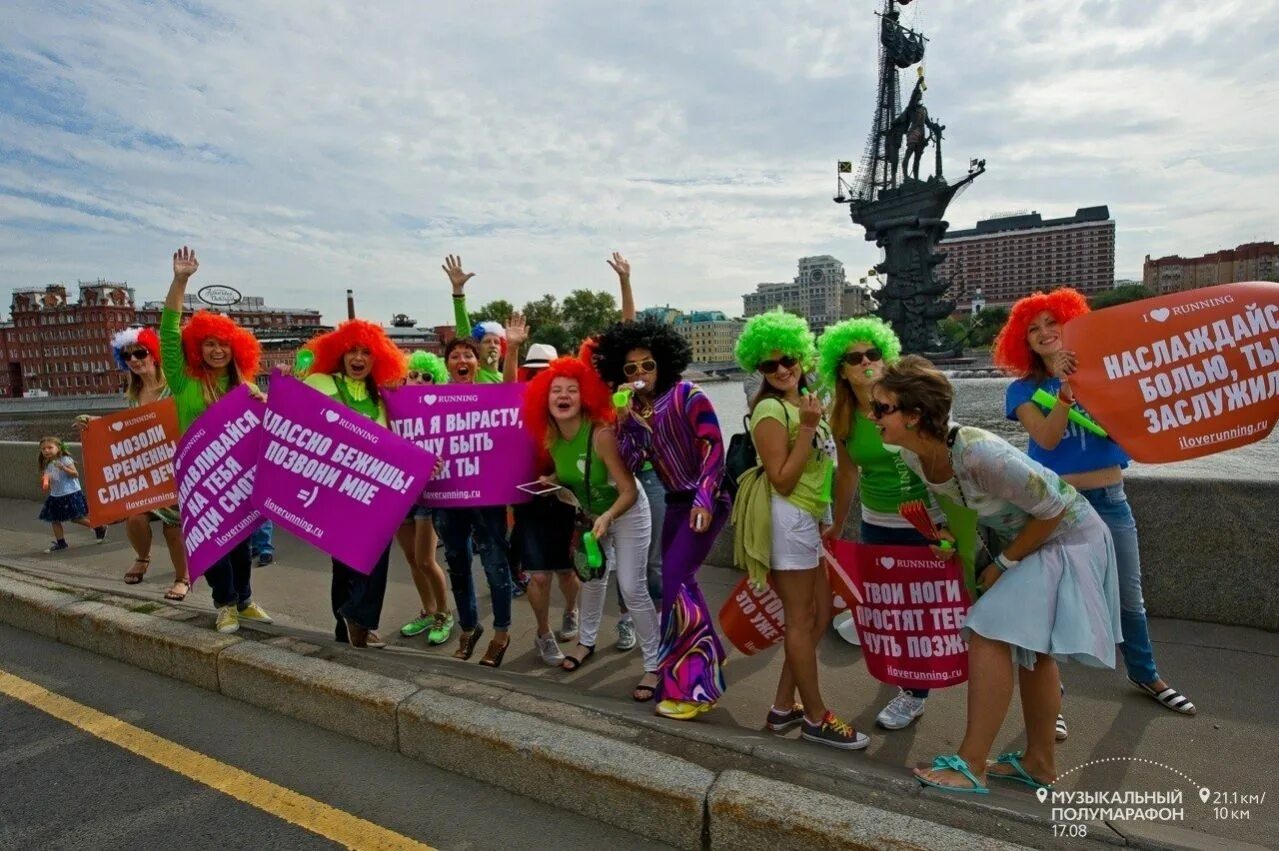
pixel 1160 314
pixel 332 416
pixel 117 426
pixel 839 603
pixel 430 398
pixel 887 562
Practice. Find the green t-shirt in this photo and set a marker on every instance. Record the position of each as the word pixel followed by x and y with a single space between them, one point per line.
pixel 188 392
pixel 885 481
pixel 812 491
pixel 570 458
pixel 356 396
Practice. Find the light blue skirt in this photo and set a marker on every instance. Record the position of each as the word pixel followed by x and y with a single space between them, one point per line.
pixel 1061 600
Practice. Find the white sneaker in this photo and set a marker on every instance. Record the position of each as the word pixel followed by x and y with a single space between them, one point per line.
pixel 549 649
pixel 900 711
pixel 568 626
pixel 626 634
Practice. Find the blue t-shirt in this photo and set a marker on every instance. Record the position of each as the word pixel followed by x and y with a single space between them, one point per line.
pixel 1080 451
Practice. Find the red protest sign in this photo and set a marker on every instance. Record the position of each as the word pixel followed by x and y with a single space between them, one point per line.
pixel 128 462
pixel 752 619
pixel 1182 375
pixel 911 610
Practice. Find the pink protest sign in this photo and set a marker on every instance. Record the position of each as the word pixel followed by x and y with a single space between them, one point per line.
pixel 333 477
pixel 215 465
pixel 909 613
pixel 478 431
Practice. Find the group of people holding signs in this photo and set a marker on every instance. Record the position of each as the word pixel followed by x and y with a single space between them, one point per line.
pixel 974 560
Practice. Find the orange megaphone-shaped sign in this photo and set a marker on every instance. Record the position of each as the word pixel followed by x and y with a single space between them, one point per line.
pixel 1182 375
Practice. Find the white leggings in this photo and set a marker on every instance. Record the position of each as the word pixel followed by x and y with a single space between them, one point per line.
pixel 626 551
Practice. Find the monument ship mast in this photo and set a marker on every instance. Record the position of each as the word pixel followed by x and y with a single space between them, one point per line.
pixel 901 213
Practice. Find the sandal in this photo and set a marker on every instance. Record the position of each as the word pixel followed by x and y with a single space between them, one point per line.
pixel 644 693
pixel 174 594
pixel 134 576
pixel 1012 759
pixel 1169 697
pixel 953 762
pixel 493 656
pixel 572 663
pixel 466 643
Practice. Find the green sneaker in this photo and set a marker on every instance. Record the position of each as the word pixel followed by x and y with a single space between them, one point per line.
pixel 441 629
pixel 418 625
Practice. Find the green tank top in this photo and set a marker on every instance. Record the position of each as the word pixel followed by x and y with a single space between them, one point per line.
pixel 886 482
pixel 572 458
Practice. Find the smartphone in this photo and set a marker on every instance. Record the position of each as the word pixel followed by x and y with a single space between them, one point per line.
pixel 539 488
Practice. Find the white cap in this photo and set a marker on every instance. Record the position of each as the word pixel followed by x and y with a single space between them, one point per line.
pixel 540 356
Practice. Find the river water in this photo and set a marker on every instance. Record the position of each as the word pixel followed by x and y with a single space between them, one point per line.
pixel 978 401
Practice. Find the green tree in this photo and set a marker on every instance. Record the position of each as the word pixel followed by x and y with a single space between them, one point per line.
pixel 1119 295
pixel 498 310
pixel 585 312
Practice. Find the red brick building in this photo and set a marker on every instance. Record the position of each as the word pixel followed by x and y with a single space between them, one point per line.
pixel 1252 261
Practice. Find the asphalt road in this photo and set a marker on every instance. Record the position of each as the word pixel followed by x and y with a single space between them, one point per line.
pixel 63 787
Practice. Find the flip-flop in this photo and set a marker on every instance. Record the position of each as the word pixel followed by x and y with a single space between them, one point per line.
pixel 173 595
pixel 1012 759
pixel 572 663
pixel 133 577
pixel 954 762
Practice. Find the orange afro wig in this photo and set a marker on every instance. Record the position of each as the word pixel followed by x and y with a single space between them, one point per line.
pixel 388 361
pixel 1012 352
pixel 597 403
pixel 586 352
pixel 245 348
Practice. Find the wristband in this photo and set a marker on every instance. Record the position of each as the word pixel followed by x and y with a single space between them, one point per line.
pixel 1070 403
pixel 1003 563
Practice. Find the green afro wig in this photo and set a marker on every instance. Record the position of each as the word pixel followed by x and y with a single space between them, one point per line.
pixel 775 331
pixel 429 364
pixel 836 339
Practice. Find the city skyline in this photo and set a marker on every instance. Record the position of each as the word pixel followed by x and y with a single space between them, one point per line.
pixel 701 145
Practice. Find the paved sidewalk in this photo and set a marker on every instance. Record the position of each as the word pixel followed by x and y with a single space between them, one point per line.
pixel 1119 740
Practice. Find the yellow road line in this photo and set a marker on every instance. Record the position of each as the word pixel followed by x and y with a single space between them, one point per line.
pixel 308 813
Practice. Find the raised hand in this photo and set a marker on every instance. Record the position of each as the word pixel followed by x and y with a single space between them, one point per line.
pixel 620 265
pixel 458 278
pixel 516 331
pixel 184 264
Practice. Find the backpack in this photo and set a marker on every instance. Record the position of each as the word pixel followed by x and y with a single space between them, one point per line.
pixel 742 455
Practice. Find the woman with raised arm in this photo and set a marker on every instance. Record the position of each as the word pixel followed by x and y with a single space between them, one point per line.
pixel 1051 593
pixel 351 363
pixel 203 361
pixel 490 337
pixel 670 423
pixel 1030 347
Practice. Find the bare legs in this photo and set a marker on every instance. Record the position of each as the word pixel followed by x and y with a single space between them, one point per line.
pixel 806 604
pixel 417 540
pixel 539 596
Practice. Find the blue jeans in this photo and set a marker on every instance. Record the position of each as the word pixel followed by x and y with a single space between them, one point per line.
pixel 892 536
pixel 357 596
pixel 228 578
pixel 489 524
pixel 1139 656
pixel 261 542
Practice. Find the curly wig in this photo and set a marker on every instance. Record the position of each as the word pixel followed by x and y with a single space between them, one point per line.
pixel 388 361
pixel 132 337
pixel 245 348
pixel 1012 352
pixel 671 351
pixel 836 339
pixel 597 403
pixel 431 364
pixel 775 331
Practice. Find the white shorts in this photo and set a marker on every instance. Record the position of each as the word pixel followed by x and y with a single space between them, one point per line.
pixel 796 538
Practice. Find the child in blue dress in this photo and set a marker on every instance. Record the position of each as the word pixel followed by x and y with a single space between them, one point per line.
pixel 65 502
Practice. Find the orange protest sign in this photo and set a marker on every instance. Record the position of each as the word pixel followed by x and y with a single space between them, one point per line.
pixel 1182 375
pixel 128 462
pixel 751 619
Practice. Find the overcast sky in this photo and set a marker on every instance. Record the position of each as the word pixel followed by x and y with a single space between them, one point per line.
pixel 306 147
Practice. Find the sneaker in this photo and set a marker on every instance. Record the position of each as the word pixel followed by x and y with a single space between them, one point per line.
pixel 255 613
pixel 265 559
pixel 549 649
pixel 228 620
pixel 519 584
pixel 57 546
pixel 418 625
pixel 835 733
pixel 626 635
pixel 441 629
pixel 568 627
pixel 100 532
pixel 780 721
pixel 1062 732
pixel 900 711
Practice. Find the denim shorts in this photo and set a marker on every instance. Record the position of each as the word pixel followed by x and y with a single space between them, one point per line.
pixel 419 512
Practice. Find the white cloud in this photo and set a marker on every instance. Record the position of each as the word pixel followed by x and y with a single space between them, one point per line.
pixel 307 148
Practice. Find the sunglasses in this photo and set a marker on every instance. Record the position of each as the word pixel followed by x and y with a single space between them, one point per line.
pixel 635 367
pixel 882 409
pixel 856 358
pixel 768 367
pixel 135 354
pixel 414 375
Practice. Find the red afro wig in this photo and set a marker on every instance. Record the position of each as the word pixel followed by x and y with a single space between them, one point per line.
pixel 597 402
pixel 245 348
pixel 586 352
pixel 388 361
pixel 1012 352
